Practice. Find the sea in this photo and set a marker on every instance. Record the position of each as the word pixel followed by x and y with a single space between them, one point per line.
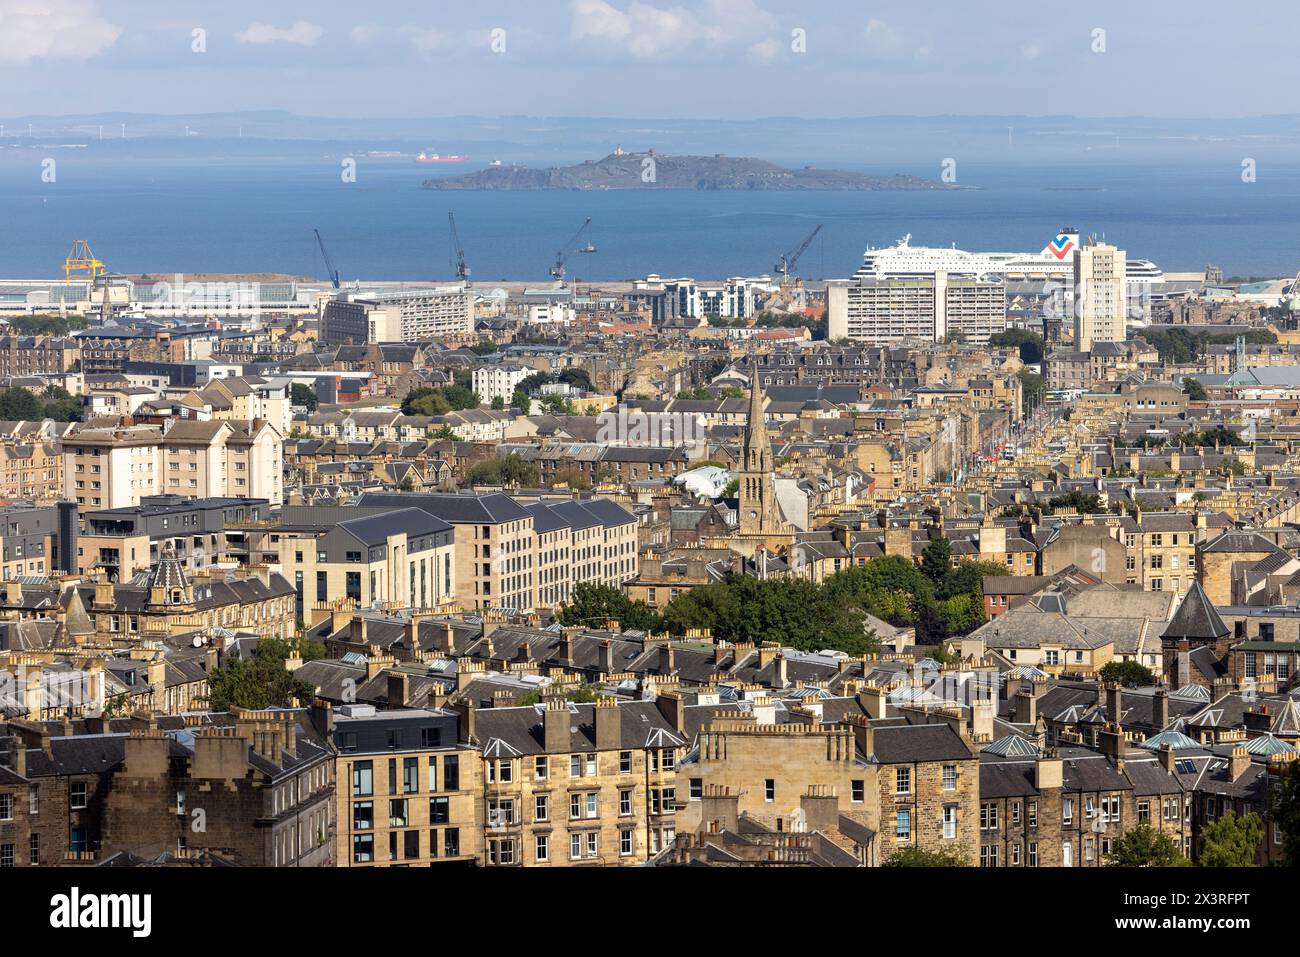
pixel 184 214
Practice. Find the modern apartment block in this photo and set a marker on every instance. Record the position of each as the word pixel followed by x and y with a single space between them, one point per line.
pixel 399 315
pixel 31 537
pixel 394 558
pixel 499 381
pixel 500 552
pixel 117 466
pixel 409 793
pixel 916 308
pixel 121 542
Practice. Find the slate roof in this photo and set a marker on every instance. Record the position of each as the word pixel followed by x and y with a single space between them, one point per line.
pixel 1196 619
pixel 521 728
pixel 911 743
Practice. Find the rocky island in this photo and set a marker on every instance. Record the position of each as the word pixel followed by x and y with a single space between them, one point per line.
pixel 651 170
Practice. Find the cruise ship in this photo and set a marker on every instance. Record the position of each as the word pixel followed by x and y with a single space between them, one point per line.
pixel 903 260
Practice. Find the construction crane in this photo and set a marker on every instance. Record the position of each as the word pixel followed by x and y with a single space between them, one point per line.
pixel 329 265
pixel 82 260
pixel 462 268
pixel 785 266
pixel 562 255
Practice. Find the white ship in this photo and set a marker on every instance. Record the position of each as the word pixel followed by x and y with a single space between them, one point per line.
pixel 904 261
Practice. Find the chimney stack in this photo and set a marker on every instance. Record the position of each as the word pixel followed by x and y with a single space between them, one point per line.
pixel 399 685
pixel 1114 703
pixel 1026 707
pixel 1238 762
pixel 1160 709
pixel 1049 773
pixel 556 722
pixel 608 732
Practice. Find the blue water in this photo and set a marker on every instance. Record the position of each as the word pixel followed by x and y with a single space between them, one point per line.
pixel 257 216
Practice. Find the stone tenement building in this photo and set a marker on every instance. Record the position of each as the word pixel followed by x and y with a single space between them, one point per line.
pixel 577 784
pixel 251 788
pixel 879 785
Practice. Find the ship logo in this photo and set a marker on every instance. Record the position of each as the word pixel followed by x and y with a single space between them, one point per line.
pixel 1061 246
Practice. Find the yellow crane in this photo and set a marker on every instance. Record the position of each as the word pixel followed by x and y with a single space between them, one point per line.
pixel 82 262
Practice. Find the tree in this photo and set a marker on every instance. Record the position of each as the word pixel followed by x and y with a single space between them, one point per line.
pixel 573 477
pixel 1032 389
pixel 1030 344
pixel 426 401
pixel 891 587
pixel 19 404
pixel 45 325
pixel 1130 674
pixel 790 611
pixel 512 470
pixel 577 377
pixel 498 403
pixel 731 489
pixel 1218 435
pixel 1144 846
pixel 593 605
pixel 1195 391
pixel 968 579
pixel 531 383
pixel 259 682
pixel 303 395
pixel 554 404
pixel 61 405
pixel 918 857
pixel 1285 808
pixel 582 694
pixel 460 396
pixel 1231 841
pixel 1078 500
pixel 483 348
pixel 936 560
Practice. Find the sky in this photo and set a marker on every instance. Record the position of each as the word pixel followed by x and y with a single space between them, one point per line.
pixel 649 58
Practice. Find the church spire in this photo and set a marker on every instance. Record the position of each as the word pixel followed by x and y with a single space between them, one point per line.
pixel 759 513
pixel 756 453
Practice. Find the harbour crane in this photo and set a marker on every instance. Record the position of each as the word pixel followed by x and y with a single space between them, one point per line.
pixel 462 268
pixel 785 266
pixel 561 256
pixel 329 265
pixel 82 260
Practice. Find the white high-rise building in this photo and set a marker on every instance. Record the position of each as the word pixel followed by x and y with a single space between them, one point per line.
pixel 909 308
pixel 1099 295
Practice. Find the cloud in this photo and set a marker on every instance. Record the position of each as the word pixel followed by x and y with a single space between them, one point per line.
pixel 53 29
pixel 885 42
pixel 425 40
pixel 645 31
pixel 364 33
pixel 301 33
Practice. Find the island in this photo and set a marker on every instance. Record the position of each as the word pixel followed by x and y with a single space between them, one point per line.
pixel 651 170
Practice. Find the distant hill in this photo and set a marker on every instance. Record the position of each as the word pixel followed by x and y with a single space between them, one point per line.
pixel 659 171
